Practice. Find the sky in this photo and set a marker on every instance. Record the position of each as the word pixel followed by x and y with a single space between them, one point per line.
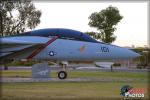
pixel 131 30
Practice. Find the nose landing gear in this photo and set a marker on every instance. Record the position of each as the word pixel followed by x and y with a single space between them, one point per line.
pixel 62 75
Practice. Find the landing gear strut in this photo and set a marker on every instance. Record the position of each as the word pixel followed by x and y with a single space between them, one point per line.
pixel 62 74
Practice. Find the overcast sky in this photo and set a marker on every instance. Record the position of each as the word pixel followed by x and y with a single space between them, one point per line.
pixel 132 30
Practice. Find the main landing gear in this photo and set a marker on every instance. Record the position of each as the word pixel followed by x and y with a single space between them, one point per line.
pixel 63 74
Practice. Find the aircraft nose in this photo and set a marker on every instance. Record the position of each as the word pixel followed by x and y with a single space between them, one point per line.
pixel 134 54
pixel 124 53
pixel 130 54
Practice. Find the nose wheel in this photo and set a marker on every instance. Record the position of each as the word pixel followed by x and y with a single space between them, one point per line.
pixel 62 75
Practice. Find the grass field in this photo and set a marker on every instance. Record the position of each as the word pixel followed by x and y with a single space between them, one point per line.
pixel 64 90
pixel 74 74
pixel 72 90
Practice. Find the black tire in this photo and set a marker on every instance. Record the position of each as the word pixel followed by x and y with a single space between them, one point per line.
pixel 62 75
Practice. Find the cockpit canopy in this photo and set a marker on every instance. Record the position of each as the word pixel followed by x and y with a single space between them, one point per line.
pixel 61 33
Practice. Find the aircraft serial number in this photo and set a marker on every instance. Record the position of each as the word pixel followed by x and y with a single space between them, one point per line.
pixel 104 49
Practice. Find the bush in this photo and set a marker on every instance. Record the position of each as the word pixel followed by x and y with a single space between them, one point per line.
pixel 141 65
pixel 116 64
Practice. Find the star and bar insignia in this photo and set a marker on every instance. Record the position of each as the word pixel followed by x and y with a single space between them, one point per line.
pixel 51 53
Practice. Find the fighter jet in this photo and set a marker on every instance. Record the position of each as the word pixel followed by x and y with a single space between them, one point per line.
pixel 61 45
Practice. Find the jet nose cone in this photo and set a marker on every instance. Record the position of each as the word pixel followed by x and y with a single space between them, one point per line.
pixel 127 53
pixel 134 54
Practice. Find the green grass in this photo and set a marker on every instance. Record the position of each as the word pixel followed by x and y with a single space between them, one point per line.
pixel 71 90
pixel 64 90
pixel 76 74
pixel 16 73
pixel 107 74
pixel 19 63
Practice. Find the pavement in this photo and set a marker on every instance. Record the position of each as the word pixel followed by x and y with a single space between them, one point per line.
pixel 84 68
pixel 11 80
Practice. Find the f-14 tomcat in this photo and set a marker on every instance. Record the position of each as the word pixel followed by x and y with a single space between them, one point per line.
pixel 59 44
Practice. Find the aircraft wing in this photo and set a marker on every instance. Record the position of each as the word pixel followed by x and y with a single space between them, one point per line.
pixel 22 46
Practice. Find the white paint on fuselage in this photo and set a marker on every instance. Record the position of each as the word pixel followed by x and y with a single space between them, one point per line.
pixel 69 50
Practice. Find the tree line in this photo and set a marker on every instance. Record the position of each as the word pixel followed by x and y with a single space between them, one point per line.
pixel 21 15
pixel 18 16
